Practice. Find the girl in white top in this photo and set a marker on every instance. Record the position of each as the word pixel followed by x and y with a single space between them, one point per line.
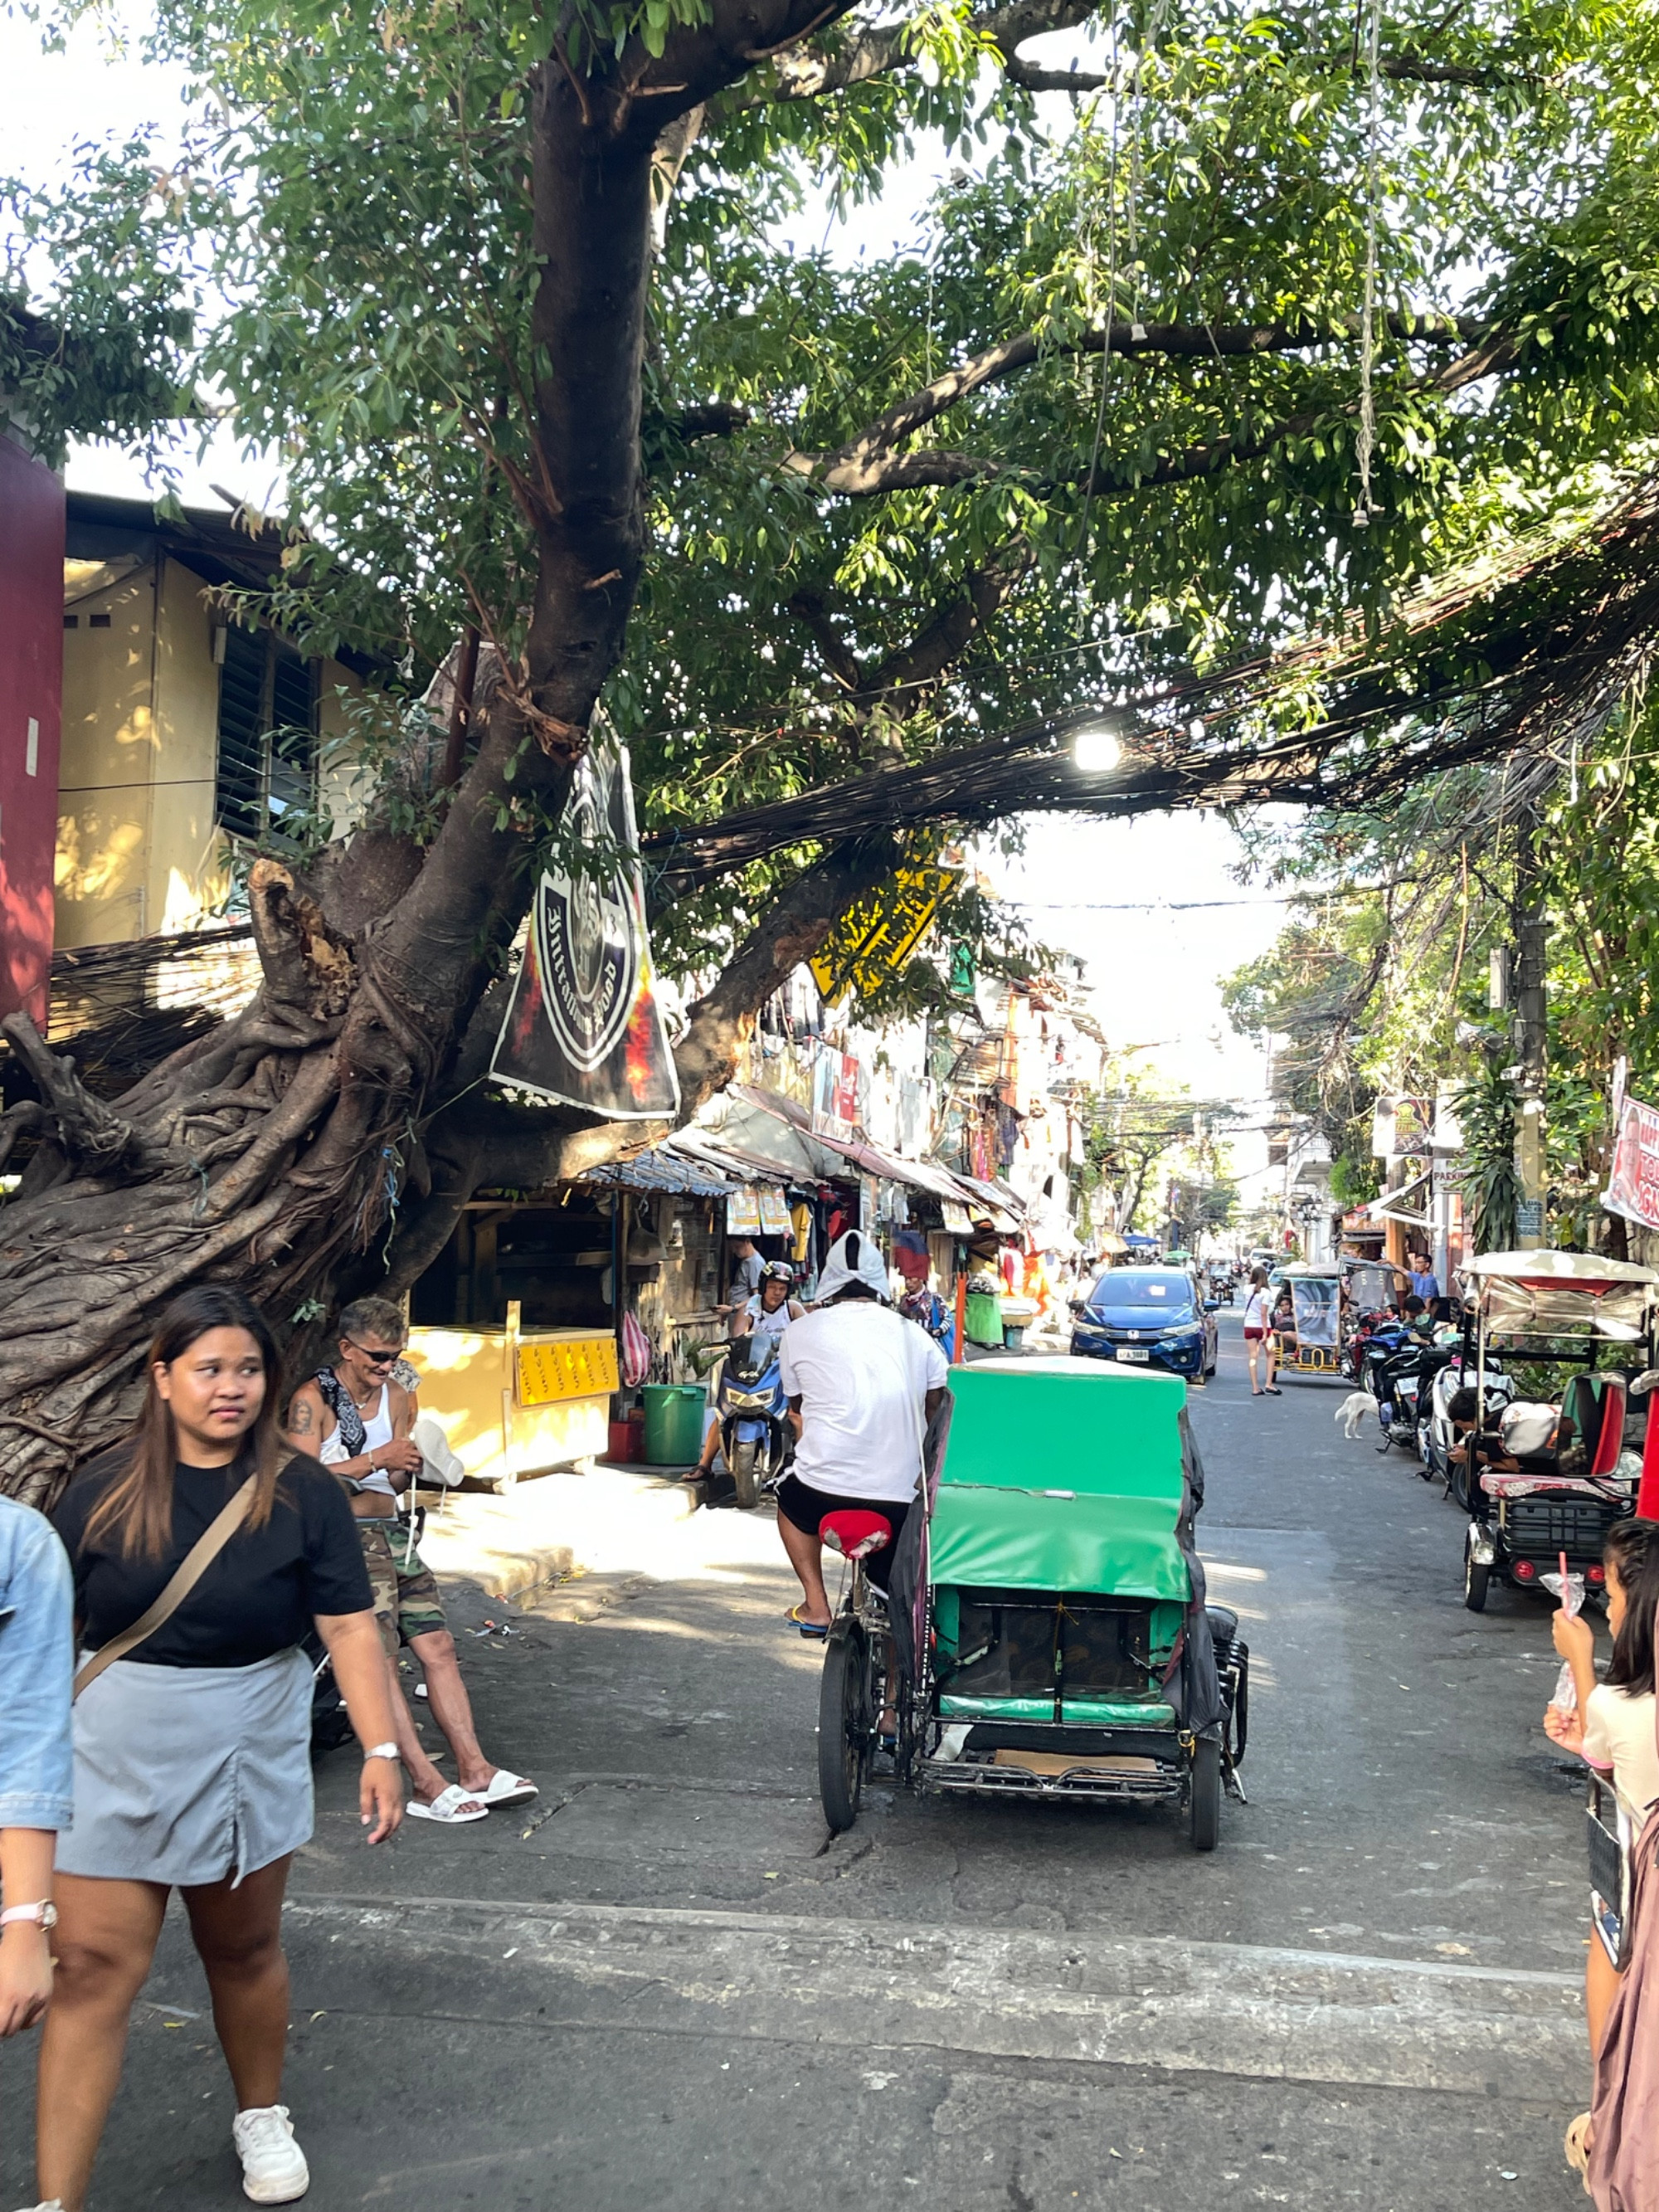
pixel 1613 1728
pixel 1259 1342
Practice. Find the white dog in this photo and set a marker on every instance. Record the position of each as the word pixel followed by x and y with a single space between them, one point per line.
pixel 1353 1410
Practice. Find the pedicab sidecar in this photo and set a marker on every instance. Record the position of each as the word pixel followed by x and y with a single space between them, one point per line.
pixel 1046 1626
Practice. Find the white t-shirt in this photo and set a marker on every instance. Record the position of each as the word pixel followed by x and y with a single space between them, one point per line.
pixel 1256 1311
pixel 862 1373
pixel 1619 1733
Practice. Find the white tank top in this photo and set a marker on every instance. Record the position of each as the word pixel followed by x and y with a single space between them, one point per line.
pixel 377 1429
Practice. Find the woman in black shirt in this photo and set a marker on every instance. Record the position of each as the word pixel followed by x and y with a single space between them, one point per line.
pixel 191 1753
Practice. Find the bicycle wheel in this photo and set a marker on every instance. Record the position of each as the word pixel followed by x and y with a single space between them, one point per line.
pixel 843 1723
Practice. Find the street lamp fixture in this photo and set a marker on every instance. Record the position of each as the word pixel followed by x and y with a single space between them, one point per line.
pixel 1097 748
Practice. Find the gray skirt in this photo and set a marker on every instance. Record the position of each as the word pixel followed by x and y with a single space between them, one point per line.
pixel 187 1774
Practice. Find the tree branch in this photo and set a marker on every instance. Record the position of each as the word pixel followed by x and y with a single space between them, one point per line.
pixel 810 608
pixel 861 472
pixel 793 929
pixel 847 468
pixel 1403 67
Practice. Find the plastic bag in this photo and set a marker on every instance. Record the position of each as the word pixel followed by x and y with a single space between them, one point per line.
pixel 1570 1589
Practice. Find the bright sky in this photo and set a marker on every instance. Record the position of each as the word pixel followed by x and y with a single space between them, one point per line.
pixel 1153 966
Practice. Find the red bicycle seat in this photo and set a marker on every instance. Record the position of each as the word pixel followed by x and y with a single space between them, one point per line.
pixel 855 1535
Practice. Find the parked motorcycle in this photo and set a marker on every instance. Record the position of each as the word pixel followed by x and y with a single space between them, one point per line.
pixel 755 1437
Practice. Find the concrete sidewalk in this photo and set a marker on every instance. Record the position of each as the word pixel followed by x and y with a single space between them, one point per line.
pixel 552 1527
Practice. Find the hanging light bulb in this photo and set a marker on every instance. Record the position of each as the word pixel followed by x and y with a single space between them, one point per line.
pixel 1097 750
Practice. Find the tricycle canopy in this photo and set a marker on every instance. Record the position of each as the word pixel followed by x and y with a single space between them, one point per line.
pixel 1063 1475
pixel 1542 1294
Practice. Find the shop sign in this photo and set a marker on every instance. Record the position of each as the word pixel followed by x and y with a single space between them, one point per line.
pixel 1633 1187
pixel 835 1095
pixel 774 1212
pixel 872 940
pixel 742 1214
pixel 583 1026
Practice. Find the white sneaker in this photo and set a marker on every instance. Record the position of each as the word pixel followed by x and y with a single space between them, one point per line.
pixel 274 2169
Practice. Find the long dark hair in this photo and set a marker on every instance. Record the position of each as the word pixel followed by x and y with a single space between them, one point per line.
pixel 138 1503
pixel 1632 1551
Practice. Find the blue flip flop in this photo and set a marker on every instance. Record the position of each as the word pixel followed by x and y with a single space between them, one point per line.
pixel 808 1627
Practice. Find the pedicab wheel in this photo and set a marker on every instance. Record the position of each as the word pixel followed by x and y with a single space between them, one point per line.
pixel 1477 1577
pixel 745 1473
pixel 843 1724
pixel 1206 1793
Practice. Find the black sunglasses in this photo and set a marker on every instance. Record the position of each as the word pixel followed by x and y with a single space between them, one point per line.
pixel 374 1359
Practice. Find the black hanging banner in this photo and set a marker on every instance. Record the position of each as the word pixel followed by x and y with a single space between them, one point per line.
pixel 583 1027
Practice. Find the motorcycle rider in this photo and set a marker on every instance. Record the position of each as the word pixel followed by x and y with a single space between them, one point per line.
pixel 768 1313
pixel 862 1385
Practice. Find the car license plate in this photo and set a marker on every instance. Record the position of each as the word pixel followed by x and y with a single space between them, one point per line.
pixel 1134 1351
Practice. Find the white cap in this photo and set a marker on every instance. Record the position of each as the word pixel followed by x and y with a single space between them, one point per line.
pixel 854 1258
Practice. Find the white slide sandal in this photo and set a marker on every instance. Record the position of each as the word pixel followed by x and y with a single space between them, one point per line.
pixel 454 1807
pixel 505 1788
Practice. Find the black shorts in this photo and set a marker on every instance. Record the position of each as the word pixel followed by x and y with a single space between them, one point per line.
pixel 804 1509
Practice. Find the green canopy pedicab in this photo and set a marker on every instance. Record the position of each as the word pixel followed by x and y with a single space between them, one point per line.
pixel 1046 1633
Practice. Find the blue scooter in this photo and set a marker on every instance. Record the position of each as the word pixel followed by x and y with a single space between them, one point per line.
pixel 755 1437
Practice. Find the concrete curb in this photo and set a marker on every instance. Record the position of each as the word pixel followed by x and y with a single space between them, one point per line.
pixel 1229 2009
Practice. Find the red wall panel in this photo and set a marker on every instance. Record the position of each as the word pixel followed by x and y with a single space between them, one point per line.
pixel 31 695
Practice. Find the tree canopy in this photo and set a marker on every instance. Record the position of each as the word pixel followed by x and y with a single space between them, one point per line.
pixel 1291 313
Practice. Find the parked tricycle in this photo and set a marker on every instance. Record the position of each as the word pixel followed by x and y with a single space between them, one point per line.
pixel 1046 1633
pixel 1309 1326
pixel 1551 1468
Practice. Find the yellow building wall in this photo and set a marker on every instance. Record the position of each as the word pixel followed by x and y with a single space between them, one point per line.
pixel 138 851
pixel 473 1381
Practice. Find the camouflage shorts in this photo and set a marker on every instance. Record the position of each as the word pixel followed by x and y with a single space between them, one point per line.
pixel 406 1600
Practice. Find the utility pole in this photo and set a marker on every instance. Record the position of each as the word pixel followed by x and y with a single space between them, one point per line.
pixel 1530 1039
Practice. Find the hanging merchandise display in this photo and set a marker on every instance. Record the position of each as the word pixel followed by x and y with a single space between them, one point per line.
pixel 774 1212
pixel 583 1027
pixel 835 1095
pixel 742 1214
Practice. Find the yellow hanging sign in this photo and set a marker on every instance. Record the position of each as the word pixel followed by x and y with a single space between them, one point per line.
pixel 873 939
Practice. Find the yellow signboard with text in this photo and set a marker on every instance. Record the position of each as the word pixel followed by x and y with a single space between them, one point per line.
pixel 874 938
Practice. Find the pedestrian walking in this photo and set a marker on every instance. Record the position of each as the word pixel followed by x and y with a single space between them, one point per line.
pixel 201 1554
pixel 1614 1728
pixel 1259 1341
pixel 36 1650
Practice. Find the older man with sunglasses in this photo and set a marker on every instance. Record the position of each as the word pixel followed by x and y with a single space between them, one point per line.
pixel 356 1416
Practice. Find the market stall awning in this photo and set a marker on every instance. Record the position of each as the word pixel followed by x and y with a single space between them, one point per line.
pixel 1387 1207
pixel 666 1168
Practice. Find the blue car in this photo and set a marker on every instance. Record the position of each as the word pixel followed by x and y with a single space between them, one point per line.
pixel 1147 1318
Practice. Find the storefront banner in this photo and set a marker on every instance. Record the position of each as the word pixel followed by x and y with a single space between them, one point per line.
pixel 835 1095
pixel 874 940
pixel 1633 1187
pixel 742 1214
pixel 583 1027
pixel 774 1212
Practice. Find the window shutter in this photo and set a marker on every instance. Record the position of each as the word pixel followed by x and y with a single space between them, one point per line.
pixel 294 738
pixel 239 799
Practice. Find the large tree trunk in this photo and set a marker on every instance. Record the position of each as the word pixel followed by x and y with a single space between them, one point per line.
pixel 325 1138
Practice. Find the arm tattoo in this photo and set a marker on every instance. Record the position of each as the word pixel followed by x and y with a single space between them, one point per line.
pixel 300 1422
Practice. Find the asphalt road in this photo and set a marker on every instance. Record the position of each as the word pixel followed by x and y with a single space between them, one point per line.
pixel 661 1985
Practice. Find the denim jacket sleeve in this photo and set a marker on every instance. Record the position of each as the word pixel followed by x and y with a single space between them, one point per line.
pixel 37 1667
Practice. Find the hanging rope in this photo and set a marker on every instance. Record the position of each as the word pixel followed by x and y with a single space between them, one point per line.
pixel 1081 547
pixel 1366 443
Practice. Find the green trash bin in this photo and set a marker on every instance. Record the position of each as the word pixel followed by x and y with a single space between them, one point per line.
pixel 673 1422
pixel 983 1319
